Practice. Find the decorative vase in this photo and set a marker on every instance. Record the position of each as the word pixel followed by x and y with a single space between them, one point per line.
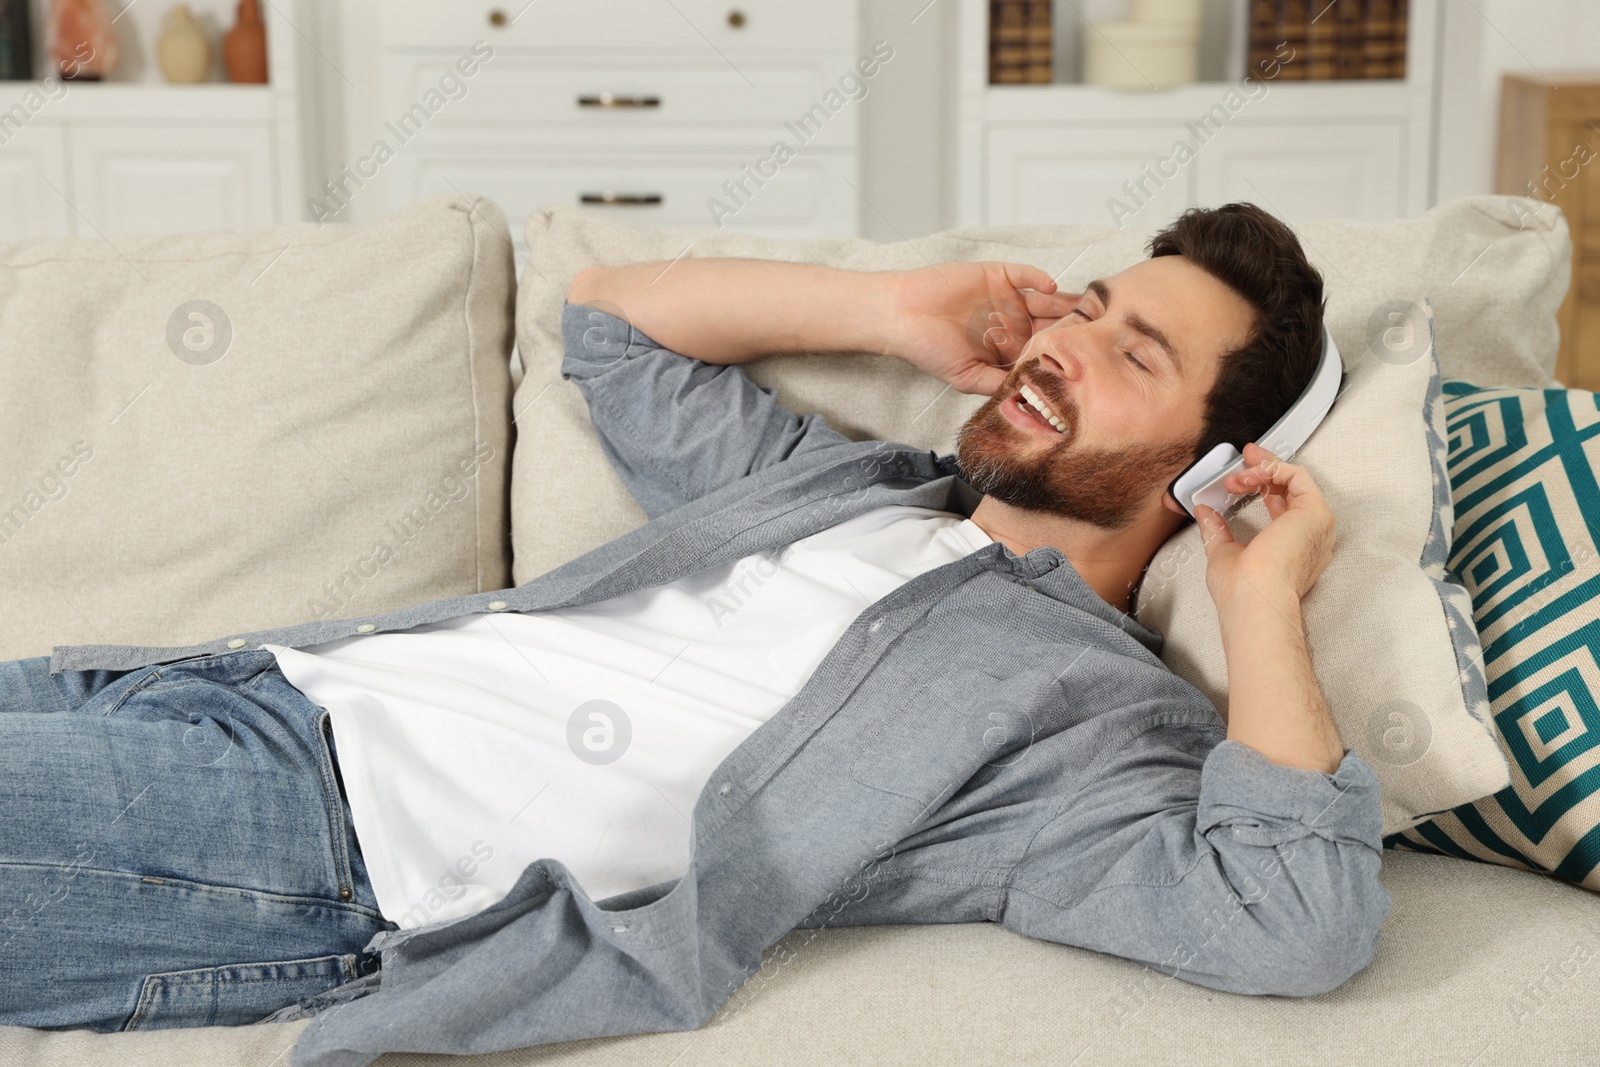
pixel 83 44
pixel 245 47
pixel 183 50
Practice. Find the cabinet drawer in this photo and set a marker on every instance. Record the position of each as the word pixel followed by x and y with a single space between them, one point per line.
pixel 807 197
pixel 610 24
pixel 791 99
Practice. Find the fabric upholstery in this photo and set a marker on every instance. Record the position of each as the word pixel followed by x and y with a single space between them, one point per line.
pixel 329 438
pixel 1476 964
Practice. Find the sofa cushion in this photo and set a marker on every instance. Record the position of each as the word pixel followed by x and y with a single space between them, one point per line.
pixel 1375 452
pixel 1523 466
pixel 218 432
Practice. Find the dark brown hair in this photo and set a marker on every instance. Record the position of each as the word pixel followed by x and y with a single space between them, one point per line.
pixel 1259 258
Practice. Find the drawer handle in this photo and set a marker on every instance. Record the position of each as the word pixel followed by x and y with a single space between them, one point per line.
pixel 613 100
pixel 609 197
pixel 736 18
pixel 497 18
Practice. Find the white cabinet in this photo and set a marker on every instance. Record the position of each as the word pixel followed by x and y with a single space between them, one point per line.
pixel 96 159
pixel 1347 171
pixel 667 114
pixel 171 179
pixel 1042 175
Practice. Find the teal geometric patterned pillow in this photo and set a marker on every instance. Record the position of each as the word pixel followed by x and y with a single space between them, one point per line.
pixel 1522 466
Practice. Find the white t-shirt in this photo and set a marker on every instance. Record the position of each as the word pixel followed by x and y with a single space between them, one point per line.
pixel 471 748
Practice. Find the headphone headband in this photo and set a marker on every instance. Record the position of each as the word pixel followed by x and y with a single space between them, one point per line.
pixel 1202 481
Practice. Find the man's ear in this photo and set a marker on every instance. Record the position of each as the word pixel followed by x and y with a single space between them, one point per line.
pixel 1172 504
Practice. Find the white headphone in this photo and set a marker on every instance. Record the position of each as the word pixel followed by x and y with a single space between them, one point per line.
pixel 1202 481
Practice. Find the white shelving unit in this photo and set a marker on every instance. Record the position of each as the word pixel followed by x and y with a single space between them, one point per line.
pixel 1042 154
pixel 88 159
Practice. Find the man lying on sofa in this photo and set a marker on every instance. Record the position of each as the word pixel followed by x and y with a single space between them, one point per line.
pixel 830 682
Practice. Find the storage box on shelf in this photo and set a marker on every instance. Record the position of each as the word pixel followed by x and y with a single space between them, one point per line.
pixel 1070 153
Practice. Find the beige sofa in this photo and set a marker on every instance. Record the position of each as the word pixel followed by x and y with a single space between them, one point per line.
pixel 363 440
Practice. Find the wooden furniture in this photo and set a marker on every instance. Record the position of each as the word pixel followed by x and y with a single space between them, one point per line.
pixel 1070 153
pixel 651 112
pixel 88 159
pixel 1550 151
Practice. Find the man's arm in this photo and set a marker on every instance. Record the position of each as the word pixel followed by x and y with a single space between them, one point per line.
pixel 734 310
pixel 963 323
pixel 649 346
pixel 1274 703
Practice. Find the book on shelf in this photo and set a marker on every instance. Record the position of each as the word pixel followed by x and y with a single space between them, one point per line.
pixel 1326 40
pixel 16 42
pixel 1020 42
pixel 1293 29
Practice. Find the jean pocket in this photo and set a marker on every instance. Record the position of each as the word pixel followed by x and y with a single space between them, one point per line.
pixel 234 995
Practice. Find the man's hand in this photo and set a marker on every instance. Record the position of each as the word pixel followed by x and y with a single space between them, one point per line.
pixel 967 323
pixel 1289 555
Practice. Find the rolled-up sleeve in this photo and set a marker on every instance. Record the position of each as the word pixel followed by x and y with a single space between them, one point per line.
pixel 673 427
pixel 1257 878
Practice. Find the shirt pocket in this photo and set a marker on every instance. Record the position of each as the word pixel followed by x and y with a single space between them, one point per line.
pixel 944 731
pixel 235 994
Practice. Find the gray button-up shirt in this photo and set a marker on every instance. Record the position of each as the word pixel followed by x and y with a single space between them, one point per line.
pixel 991 741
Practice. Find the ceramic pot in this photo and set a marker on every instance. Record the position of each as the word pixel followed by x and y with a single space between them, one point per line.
pixel 83 43
pixel 245 48
pixel 183 50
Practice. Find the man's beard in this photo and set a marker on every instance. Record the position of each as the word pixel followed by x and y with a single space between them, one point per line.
pixel 1103 487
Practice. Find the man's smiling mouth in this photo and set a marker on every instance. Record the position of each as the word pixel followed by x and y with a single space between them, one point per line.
pixel 1030 409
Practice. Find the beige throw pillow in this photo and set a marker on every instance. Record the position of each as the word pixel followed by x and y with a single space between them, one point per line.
pixel 221 432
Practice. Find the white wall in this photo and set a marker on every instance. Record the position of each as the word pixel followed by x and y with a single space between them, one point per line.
pixel 1485 39
pixel 907 137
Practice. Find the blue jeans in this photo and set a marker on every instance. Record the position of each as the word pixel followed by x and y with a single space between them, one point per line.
pixel 175 848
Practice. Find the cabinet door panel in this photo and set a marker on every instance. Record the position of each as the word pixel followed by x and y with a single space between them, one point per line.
pixel 1333 171
pixel 33 183
pixel 1095 176
pixel 171 180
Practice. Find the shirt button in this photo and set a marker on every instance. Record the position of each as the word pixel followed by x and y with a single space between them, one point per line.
pixel 876 624
pixel 365 628
pixel 496 605
pixel 723 790
pixel 237 642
